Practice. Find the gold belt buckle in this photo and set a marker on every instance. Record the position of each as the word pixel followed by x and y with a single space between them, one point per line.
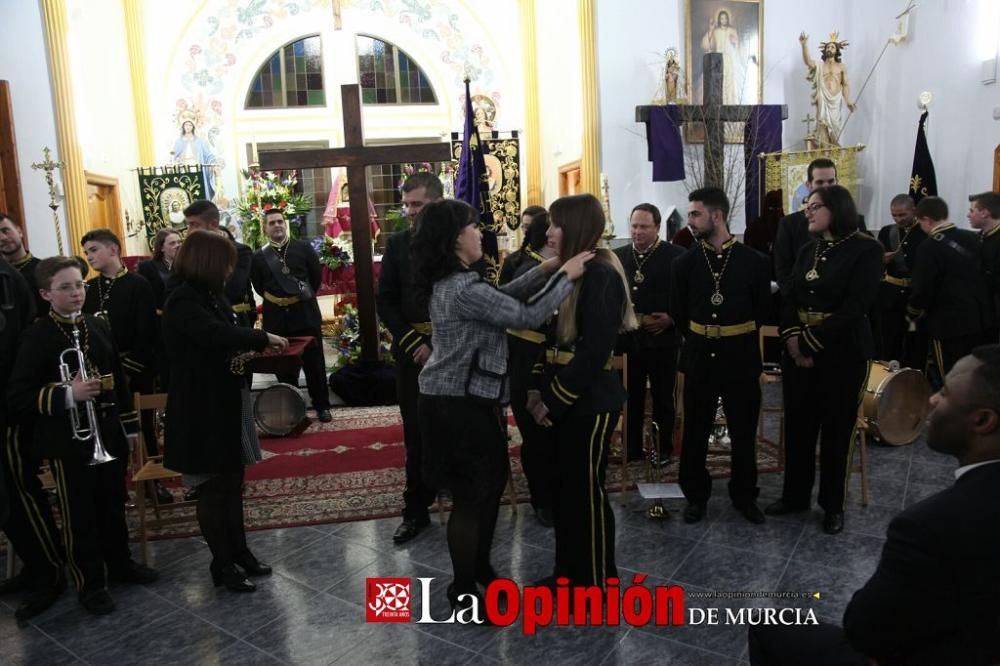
pixel 709 328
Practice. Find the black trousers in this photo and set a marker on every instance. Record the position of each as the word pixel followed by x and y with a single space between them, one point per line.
pixel 220 517
pixel 895 342
pixel 945 352
pixel 817 645
pixel 29 526
pixel 741 403
pixel 314 367
pixel 538 457
pixel 659 366
pixel 582 517
pixel 92 503
pixel 821 403
pixel 417 495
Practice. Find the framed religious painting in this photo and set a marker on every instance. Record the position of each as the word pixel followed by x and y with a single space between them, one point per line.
pixel 734 28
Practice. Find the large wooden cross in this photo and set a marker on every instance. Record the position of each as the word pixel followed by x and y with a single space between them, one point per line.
pixel 356 157
pixel 714 114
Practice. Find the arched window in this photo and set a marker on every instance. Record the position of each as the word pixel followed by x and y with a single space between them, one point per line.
pixel 291 76
pixel 389 76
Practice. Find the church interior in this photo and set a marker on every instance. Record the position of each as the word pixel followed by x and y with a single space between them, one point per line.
pixel 120 114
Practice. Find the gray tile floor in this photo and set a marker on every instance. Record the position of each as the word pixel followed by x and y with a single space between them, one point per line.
pixel 311 610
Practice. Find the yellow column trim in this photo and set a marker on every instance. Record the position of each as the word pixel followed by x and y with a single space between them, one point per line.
pixel 590 159
pixel 137 68
pixel 73 179
pixel 532 124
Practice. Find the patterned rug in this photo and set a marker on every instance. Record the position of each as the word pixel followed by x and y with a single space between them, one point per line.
pixel 353 469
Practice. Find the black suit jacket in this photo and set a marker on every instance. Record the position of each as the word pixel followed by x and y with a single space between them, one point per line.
pixel 397 303
pixel 302 318
pixel 935 596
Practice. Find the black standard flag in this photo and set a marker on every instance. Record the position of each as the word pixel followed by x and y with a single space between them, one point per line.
pixel 923 182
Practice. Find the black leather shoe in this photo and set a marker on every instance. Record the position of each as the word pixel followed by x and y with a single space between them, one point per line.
pixel 833 523
pixel 193 494
pixel 233 579
pixel 16 583
pixel 98 602
pixel 163 495
pixel 782 508
pixel 409 528
pixel 251 565
pixel 37 601
pixel 134 572
pixel 324 415
pixel 543 515
pixel 694 513
pixel 752 513
pixel 485 576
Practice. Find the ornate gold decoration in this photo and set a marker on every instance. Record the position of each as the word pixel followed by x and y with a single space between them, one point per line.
pixel 48 166
pixel 502 160
pixel 786 171
pixel 159 187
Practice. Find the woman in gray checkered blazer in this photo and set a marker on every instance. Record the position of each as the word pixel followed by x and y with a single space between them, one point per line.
pixel 463 385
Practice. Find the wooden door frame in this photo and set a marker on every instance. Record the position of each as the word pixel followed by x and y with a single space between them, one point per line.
pixel 116 203
pixel 563 171
pixel 10 179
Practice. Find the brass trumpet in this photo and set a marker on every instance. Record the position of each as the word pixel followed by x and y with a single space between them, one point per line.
pixel 651 444
pixel 89 430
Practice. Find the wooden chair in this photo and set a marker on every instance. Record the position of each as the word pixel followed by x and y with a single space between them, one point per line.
pixel 767 378
pixel 147 468
pixel 861 432
pixel 619 362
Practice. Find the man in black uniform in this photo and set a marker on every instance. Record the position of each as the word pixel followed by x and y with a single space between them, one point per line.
pixel 410 327
pixel 92 496
pixel 287 273
pixel 720 296
pixel 29 525
pixel 204 214
pixel 949 295
pixel 984 216
pixel 652 350
pixel 900 241
pixel 12 248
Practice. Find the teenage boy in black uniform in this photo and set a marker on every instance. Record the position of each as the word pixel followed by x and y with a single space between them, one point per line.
pixel 900 241
pixel 720 296
pixel 286 273
pixel 949 295
pixel 984 216
pixel 92 497
pixel 652 350
pixel 29 525
pixel 410 327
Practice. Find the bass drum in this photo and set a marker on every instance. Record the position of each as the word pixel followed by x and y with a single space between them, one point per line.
pixel 896 402
pixel 280 411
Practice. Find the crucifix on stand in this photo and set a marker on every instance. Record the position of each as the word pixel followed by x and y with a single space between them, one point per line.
pixel 714 115
pixel 357 157
pixel 48 166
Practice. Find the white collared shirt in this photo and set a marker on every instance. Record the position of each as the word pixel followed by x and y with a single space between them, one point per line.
pixel 962 470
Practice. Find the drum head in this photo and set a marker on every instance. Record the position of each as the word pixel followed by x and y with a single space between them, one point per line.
pixel 279 410
pixel 903 407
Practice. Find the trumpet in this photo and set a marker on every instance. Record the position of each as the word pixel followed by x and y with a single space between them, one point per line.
pixel 654 472
pixel 86 428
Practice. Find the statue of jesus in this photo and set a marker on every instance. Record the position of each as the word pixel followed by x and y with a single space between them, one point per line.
pixel 830 88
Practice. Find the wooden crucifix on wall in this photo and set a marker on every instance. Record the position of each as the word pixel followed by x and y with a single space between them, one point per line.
pixel 357 157
pixel 714 114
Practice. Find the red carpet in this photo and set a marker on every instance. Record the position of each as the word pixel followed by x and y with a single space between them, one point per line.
pixel 353 469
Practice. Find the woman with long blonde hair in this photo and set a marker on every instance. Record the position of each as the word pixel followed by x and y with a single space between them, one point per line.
pixel 579 397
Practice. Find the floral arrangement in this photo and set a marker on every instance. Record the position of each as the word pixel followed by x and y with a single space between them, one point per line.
pixel 266 191
pixel 346 338
pixel 333 252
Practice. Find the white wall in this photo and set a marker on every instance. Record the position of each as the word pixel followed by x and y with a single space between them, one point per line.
pixel 560 90
pixel 939 57
pixel 23 62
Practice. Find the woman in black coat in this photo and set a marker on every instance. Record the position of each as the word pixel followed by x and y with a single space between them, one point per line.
pixel 210 435
pixel 157 272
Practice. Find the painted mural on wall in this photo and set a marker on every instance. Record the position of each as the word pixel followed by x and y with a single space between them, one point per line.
pixel 214 46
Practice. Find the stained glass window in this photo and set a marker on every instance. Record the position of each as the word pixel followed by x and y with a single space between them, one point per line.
pixel 389 76
pixel 291 76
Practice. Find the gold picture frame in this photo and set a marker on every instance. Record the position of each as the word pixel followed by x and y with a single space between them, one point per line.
pixel 743 51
